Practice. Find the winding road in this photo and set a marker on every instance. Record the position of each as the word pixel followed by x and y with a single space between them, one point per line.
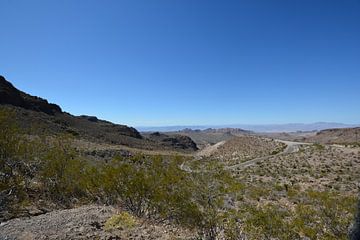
pixel 291 147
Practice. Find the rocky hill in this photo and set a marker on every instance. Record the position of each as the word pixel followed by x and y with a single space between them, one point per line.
pixel 210 136
pixel 179 141
pixel 234 131
pixel 243 148
pixel 37 115
pixel 10 95
pixel 337 136
pixel 217 130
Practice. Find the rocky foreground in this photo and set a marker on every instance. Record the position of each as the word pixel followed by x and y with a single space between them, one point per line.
pixel 86 222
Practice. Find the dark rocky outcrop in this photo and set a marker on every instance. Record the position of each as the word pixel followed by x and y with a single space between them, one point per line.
pixel 11 95
pixel 176 141
pixel 35 110
pixel 90 118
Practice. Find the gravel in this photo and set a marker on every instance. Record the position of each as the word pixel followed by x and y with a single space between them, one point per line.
pixel 86 222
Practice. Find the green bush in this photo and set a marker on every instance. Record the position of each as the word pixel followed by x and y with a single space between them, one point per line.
pixel 150 186
pixel 318 146
pixel 213 189
pixel 120 221
pixel 269 222
pixel 17 164
pixel 63 172
pixel 325 215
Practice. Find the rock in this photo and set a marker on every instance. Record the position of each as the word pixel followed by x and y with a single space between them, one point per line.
pixel 176 141
pixel 11 95
pixel 182 142
pixel 90 118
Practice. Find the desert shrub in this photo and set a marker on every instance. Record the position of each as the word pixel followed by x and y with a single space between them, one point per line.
pixel 268 222
pixel 62 172
pixel 17 164
pixel 214 190
pixel 150 186
pixel 325 215
pixel 355 229
pixel 231 225
pixel 120 221
pixel 256 192
pixel 318 146
pixel 311 215
pixel 157 188
pixel 279 149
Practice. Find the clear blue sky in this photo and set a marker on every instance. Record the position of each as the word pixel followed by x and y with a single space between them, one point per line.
pixel 185 62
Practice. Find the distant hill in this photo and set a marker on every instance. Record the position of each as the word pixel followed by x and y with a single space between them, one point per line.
pixel 234 131
pixel 337 136
pixel 37 115
pixel 210 136
pixel 296 127
pixel 289 127
pixel 180 141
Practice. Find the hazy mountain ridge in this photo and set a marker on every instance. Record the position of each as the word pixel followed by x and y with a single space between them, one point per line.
pixel 288 127
pixel 219 130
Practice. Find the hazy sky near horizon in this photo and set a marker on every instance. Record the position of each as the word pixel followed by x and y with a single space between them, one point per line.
pixel 182 62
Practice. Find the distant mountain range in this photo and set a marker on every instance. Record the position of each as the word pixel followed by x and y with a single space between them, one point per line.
pixel 289 127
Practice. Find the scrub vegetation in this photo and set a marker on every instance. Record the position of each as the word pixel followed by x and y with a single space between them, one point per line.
pixel 296 196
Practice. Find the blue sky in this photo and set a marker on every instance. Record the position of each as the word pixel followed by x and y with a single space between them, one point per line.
pixel 182 62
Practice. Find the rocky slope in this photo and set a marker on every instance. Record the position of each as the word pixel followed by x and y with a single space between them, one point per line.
pixel 234 131
pixel 36 115
pixel 243 148
pixel 178 141
pixel 205 138
pixel 10 95
pixel 337 136
pixel 86 222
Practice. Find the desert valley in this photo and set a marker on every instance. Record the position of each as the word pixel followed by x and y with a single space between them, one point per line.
pixel 79 177
pixel 179 120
